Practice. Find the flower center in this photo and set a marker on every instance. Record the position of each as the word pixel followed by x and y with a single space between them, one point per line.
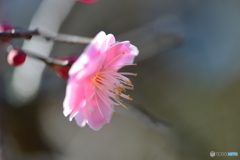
pixel 110 85
pixel 96 79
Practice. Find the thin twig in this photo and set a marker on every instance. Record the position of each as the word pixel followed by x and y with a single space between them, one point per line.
pixel 16 33
pixel 65 38
pixel 48 60
pixel 27 34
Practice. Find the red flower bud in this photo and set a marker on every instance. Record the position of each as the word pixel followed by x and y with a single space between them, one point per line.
pixel 5 27
pixel 88 1
pixel 62 71
pixel 16 57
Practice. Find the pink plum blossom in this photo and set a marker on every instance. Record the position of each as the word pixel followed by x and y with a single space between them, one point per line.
pixel 95 85
pixel 88 1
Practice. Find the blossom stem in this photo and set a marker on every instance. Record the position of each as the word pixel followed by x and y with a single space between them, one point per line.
pixel 28 34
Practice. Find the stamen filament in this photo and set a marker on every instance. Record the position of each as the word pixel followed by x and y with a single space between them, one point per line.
pixel 127 73
pixel 99 107
pixel 110 86
pixel 103 99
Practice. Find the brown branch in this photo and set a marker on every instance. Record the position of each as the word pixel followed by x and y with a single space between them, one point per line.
pixel 15 33
pixel 27 34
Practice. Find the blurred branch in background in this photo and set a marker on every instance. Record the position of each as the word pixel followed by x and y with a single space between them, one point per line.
pixel 145 118
pixel 49 16
pixel 166 32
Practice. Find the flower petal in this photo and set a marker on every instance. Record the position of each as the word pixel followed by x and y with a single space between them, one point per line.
pixel 90 53
pixel 118 49
pixel 110 40
pixel 74 95
pixel 92 68
pixel 77 95
pixel 77 109
pixel 99 113
pixel 80 119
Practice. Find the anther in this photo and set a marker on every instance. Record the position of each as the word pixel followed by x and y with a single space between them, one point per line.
pixel 135 64
pixel 129 82
pixel 130 98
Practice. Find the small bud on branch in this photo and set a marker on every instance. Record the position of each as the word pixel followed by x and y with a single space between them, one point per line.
pixel 62 71
pixel 16 57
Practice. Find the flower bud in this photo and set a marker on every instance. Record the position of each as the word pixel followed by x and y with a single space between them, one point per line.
pixel 62 71
pixel 88 1
pixel 16 57
pixel 5 27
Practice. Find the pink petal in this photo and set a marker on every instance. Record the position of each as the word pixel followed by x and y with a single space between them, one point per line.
pixel 91 68
pixel 92 50
pixel 80 119
pixel 90 53
pixel 97 119
pixel 129 51
pixel 110 40
pixel 77 109
pixel 74 95
pixel 77 94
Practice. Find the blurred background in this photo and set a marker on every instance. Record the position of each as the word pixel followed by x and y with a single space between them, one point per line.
pixel 186 97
